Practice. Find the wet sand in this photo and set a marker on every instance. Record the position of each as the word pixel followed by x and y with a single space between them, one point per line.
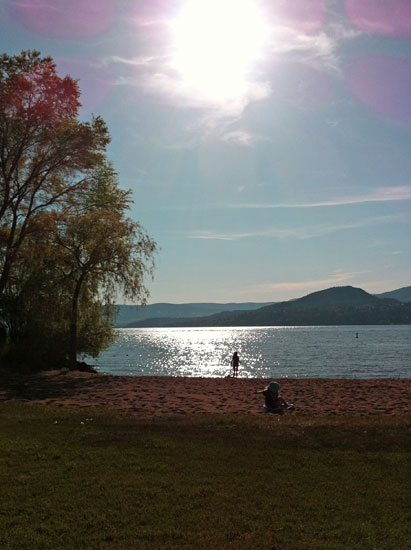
pixel 159 396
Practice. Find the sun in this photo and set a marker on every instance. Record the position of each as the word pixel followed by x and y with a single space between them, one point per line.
pixel 216 43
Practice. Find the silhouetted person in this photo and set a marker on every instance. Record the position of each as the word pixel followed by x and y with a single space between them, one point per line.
pixel 235 361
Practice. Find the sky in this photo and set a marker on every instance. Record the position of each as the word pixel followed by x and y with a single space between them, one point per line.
pixel 267 142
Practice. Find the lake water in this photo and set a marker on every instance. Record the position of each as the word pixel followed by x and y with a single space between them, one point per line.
pixel 265 352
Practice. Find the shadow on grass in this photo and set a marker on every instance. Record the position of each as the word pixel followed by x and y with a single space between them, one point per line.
pixel 36 386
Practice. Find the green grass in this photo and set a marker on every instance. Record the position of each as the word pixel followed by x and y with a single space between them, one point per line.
pixel 83 479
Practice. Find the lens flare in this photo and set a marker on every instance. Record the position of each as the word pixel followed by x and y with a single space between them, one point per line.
pixel 307 16
pixel 95 81
pixel 381 17
pixel 383 83
pixel 64 19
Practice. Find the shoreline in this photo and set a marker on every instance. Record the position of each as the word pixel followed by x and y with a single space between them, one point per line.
pixel 169 396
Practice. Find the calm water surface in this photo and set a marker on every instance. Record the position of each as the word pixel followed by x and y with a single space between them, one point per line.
pixel 312 352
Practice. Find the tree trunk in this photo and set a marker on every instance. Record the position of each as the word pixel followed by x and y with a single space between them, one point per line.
pixel 5 273
pixel 73 323
pixel 10 253
pixel 4 276
pixel 73 333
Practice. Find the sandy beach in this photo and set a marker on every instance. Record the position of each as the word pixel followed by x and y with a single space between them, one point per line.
pixel 159 396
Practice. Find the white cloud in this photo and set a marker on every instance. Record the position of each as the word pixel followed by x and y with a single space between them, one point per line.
pixel 299 233
pixel 171 87
pixel 153 72
pixel 320 50
pixel 382 194
pixel 305 47
pixel 139 61
pixel 240 137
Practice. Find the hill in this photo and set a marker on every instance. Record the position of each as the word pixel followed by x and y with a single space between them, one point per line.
pixel 129 315
pixel 334 306
pixel 346 296
pixel 401 294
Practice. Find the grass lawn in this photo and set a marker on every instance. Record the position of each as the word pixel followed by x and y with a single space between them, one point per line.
pixel 83 479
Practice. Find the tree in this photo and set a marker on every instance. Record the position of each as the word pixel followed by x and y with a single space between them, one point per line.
pixel 46 154
pixel 66 244
pixel 99 250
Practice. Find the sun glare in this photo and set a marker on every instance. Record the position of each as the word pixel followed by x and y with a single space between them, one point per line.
pixel 216 43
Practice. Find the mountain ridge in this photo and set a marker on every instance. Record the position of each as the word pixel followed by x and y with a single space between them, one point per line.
pixel 336 305
pixel 402 294
pixel 130 313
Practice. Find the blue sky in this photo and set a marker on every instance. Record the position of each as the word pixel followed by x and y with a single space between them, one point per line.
pixel 267 143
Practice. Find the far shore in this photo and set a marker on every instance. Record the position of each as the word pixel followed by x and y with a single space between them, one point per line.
pixel 162 396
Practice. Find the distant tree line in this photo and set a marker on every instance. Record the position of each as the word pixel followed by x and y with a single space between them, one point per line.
pixel 66 244
pixel 290 315
pixel 345 315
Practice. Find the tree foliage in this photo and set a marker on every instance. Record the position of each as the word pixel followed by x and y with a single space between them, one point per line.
pixel 46 154
pixel 67 246
pixel 100 249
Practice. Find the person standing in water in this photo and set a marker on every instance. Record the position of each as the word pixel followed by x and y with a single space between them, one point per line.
pixel 235 361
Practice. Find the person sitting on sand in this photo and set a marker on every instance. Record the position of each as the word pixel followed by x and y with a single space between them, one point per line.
pixel 235 361
pixel 273 402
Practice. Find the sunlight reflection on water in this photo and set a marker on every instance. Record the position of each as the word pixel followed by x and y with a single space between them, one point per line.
pixel 314 352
